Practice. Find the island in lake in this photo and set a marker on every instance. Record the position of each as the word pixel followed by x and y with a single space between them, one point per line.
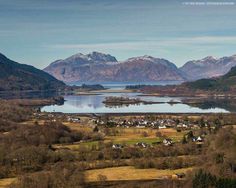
pixel 119 101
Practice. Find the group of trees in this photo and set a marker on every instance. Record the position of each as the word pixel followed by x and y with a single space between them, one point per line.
pixel 28 147
pixel 219 156
pixel 49 133
pixel 204 179
pixel 14 113
pixel 64 175
pixel 220 151
pixel 167 162
pixel 104 151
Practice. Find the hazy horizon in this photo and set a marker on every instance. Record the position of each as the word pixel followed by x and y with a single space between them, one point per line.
pixel 39 32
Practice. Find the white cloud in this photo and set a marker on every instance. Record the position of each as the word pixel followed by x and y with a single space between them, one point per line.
pixel 156 43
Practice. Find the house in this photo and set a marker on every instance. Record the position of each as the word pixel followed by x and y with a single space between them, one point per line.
pixel 129 123
pixel 75 120
pixel 199 139
pixel 194 138
pixel 140 126
pixel 50 115
pixel 182 125
pixel 101 122
pixel 117 146
pixel 162 127
pixel 142 144
pixel 167 142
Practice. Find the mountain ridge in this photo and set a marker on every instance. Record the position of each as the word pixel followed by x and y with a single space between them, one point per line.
pixel 101 67
pixel 142 68
pixel 15 76
pixel 224 83
pixel 208 67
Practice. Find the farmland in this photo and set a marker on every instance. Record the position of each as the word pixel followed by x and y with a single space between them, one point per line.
pixel 130 173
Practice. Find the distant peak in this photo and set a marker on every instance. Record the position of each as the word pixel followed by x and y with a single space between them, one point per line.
pixel 144 57
pixel 234 56
pixel 101 57
pixel 83 59
pixel 56 62
pixel 148 56
pixel 78 55
pixel 208 58
pixel 96 53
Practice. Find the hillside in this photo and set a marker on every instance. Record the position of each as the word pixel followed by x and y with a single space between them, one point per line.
pixel 223 85
pixel 208 67
pixel 226 82
pixel 15 77
pixel 98 67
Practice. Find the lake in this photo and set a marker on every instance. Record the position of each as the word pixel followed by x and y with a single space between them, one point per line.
pixel 94 104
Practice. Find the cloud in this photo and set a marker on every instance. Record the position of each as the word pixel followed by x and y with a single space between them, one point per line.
pixel 5 33
pixel 155 43
pixel 82 5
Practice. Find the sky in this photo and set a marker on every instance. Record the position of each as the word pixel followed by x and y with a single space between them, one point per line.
pixel 38 32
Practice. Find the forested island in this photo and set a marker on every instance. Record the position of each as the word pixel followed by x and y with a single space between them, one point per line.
pixel 117 101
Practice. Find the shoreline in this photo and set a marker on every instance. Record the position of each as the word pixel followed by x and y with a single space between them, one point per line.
pixel 191 95
pixel 113 91
pixel 142 114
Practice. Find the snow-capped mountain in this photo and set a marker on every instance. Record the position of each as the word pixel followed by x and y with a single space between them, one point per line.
pixel 99 67
pixel 208 67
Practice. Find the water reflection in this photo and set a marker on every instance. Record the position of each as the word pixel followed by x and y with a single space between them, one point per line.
pixel 93 104
pixel 227 104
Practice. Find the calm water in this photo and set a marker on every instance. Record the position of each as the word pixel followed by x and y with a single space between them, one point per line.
pixel 122 85
pixel 93 104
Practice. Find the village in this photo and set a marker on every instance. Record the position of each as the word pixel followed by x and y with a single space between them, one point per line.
pixel 163 128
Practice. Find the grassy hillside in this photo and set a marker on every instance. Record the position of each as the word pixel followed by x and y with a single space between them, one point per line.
pixel 15 77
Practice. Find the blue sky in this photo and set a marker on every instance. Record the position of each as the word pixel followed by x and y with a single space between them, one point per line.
pixel 38 32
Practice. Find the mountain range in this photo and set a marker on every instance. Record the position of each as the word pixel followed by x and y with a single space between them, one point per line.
pixel 16 76
pixel 225 83
pixel 208 67
pixel 221 87
pixel 99 67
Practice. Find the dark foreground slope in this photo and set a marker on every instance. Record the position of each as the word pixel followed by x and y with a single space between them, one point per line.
pixel 15 77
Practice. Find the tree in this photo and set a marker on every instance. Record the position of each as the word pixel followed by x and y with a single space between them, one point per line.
pixel 184 141
pixel 202 122
pixel 203 180
pixel 217 124
pixel 95 129
pixel 144 134
pixel 190 135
